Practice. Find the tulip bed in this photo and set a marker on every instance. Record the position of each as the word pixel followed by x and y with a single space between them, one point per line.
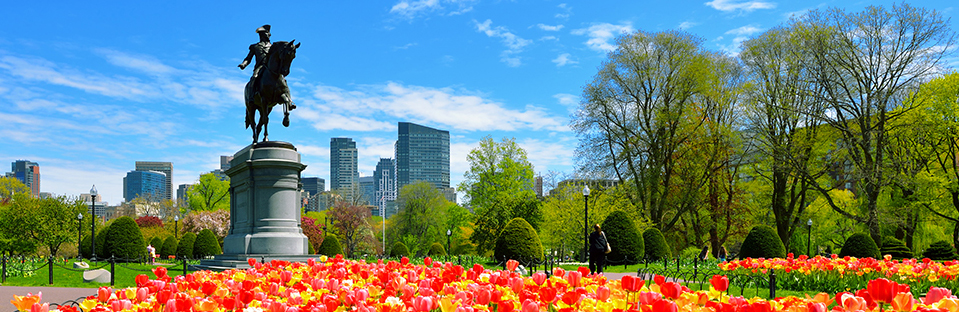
pixel 835 274
pixel 338 285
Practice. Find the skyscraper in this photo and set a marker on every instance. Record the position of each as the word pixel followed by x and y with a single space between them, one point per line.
pixel 181 195
pixel 28 173
pixel 164 167
pixel 343 166
pixel 148 184
pixel 384 179
pixel 367 190
pixel 313 185
pixel 423 154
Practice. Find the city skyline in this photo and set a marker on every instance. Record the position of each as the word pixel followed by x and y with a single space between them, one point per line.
pixel 88 89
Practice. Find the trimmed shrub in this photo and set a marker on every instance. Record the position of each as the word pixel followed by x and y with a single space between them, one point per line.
pixel 623 238
pixel 436 249
pixel 860 245
pixel 310 250
pixel 101 242
pixel 518 241
pixel 399 250
pixel 124 240
pixel 157 243
pixel 169 247
pixel 762 242
pixel 184 248
pixel 331 246
pixel 895 248
pixel 206 245
pixel 655 245
pixel 940 250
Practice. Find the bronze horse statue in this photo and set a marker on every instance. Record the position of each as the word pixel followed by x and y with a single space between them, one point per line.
pixel 273 89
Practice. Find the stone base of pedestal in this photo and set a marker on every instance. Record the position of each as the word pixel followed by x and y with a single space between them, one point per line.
pixel 228 262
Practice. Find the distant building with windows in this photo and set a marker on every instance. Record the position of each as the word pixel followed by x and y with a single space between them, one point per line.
pixel 182 199
pixel 149 184
pixel 423 154
pixel 100 207
pixel 313 187
pixel 164 167
pixel 368 190
pixel 28 173
pixel 343 166
pixel 384 186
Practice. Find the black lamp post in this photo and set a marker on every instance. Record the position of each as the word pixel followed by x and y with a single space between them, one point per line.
pixel 809 237
pixel 93 223
pixel 585 221
pixel 79 231
pixel 448 234
pixel 176 223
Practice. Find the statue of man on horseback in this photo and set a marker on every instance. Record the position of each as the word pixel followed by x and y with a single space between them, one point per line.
pixel 267 86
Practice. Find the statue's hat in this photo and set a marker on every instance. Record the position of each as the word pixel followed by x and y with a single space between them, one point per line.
pixel 263 29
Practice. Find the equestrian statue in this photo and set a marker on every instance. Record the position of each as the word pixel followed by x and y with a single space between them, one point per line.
pixel 267 86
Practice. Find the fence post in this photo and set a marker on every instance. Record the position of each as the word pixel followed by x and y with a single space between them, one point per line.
pixel 772 284
pixel 696 271
pixel 184 266
pixel 113 269
pixel 4 269
pixel 50 269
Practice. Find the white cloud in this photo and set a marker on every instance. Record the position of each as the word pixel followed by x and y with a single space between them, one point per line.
pixel 741 34
pixel 601 35
pixel 733 5
pixel 567 11
pixel 563 59
pixel 514 44
pixel 413 9
pixel 548 38
pixel 549 27
pixel 144 63
pixel 687 25
pixel 313 150
pixel 362 108
pixel 744 31
pixel 566 99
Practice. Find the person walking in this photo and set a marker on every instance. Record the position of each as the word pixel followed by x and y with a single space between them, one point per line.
pixel 598 248
pixel 722 254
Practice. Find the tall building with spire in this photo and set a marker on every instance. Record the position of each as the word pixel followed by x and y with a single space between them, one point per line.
pixel 384 187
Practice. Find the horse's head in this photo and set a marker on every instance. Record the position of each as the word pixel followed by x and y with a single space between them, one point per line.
pixel 285 52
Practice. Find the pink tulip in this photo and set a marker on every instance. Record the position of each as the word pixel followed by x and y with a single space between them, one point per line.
pixel 935 294
pixel 558 271
pixel 530 306
pixel 37 307
pixel 602 293
pixel 816 307
pixel 648 297
pixel 516 284
pixel 539 278
pixel 573 278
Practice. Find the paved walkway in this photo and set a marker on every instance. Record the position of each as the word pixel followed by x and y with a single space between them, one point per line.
pixel 63 294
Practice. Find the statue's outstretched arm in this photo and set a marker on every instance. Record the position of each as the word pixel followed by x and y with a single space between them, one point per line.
pixel 246 61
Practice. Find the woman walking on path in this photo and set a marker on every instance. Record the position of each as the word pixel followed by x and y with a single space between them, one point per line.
pixel 598 248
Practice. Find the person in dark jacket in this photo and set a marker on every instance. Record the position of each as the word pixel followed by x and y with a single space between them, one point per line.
pixel 598 247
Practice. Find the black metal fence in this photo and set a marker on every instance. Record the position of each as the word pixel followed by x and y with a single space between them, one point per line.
pixel 28 266
pixel 694 272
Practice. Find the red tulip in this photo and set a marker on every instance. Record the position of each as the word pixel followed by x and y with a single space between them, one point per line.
pixel 405 261
pixel 505 306
pixel 573 278
pixel 250 261
pixel 558 271
pixel 539 278
pixel 720 282
pixel 103 293
pixel 511 265
pixel 583 271
pixel 602 293
pixel 427 261
pixel 935 294
pixel 816 307
pixel 547 294
pixel 530 306
pixel 664 306
pixel 659 279
pixel 571 298
pixel 671 290
pixel 483 296
pixel 882 290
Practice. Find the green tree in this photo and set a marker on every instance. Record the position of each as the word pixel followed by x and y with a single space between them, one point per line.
pixel 206 245
pixel 352 223
pixel 124 240
pixel 169 247
pixel 10 186
pixel 865 64
pixel 48 222
pixel 421 219
pixel 184 248
pixel 499 187
pixel 209 194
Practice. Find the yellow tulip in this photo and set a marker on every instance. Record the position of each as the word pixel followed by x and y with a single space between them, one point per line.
pixel 448 305
pixel 87 305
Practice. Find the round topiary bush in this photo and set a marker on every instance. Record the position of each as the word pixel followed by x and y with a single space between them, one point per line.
pixel 124 241
pixel 157 243
pixel 436 249
pixel 399 250
pixel 623 238
pixel 206 245
pixel 655 245
pixel 331 246
pixel 860 245
pixel 940 250
pixel 184 248
pixel 518 241
pixel 895 248
pixel 169 247
pixel 762 242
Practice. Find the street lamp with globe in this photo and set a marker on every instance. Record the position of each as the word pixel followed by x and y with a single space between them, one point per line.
pixel 93 223
pixel 809 237
pixel 176 223
pixel 448 234
pixel 79 234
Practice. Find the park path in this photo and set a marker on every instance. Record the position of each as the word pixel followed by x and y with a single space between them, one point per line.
pixel 63 294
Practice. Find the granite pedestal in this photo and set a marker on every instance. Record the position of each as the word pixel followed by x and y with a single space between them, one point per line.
pixel 264 208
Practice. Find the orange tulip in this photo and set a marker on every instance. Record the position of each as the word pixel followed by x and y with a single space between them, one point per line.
pixel 24 303
pixel 902 302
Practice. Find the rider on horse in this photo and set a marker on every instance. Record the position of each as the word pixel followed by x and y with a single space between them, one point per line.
pixel 259 50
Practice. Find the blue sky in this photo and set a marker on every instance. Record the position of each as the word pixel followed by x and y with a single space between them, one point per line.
pixel 87 89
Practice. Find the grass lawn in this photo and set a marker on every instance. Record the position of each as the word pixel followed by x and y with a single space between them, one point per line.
pixel 63 277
